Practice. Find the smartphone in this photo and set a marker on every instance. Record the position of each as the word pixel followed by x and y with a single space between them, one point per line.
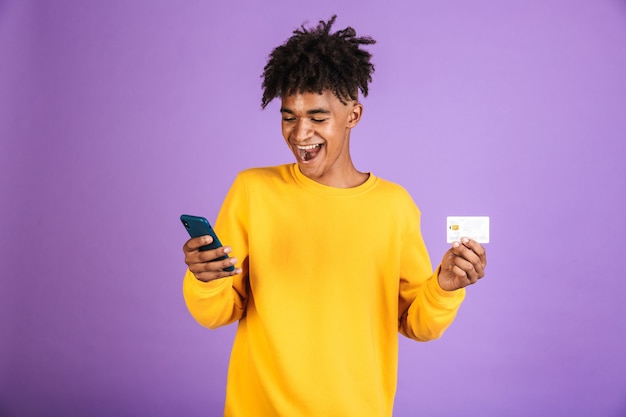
pixel 199 226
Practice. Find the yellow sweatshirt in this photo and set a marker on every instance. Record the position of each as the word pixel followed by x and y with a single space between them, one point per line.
pixel 329 278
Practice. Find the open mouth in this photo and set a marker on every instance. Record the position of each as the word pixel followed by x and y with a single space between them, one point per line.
pixel 309 152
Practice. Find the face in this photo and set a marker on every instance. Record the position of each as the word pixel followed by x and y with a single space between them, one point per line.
pixel 317 128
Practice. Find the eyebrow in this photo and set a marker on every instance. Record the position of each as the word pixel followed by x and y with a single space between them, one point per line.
pixel 309 112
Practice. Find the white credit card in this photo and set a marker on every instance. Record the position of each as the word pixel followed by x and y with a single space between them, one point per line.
pixel 474 227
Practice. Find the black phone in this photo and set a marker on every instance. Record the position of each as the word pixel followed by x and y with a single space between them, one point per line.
pixel 199 226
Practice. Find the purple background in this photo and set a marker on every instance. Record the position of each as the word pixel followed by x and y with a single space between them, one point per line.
pixel 118 116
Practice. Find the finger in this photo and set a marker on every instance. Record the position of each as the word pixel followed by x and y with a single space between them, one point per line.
pixel 215 264
pixel 195 243
pixel 201 262
pixel 471 251
pixel 198 255
pixel 211 254
pixel 213 275
pixel 477 248
pixel 460 250
pixel 460 273
pixel 465 269
pixel 213 269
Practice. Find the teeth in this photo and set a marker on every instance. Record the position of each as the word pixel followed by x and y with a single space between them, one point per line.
pixel 308 147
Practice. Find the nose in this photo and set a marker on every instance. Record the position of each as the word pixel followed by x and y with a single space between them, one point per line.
pixel 302 130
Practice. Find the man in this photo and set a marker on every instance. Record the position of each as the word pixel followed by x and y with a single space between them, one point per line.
pixel 330 261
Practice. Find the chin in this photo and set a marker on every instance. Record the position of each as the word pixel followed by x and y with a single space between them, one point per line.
pixel 307 169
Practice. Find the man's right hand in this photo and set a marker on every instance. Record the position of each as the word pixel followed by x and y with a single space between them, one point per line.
pixel 203 264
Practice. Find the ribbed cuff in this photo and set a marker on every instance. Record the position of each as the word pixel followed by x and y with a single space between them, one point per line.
pixel 207 288
pixel 442 296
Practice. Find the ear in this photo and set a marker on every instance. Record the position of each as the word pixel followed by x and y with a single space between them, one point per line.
pixel 354 116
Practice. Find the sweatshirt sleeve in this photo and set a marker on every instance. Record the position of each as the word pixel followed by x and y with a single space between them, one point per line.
pixel 223 301
pixel 215 303
pixel 425 309
pixel 432 310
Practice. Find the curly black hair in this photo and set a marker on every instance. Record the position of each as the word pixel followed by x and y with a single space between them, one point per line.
pixel 314 60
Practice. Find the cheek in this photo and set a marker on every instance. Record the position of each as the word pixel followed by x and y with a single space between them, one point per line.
pixel 286 130
pixel 286 133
